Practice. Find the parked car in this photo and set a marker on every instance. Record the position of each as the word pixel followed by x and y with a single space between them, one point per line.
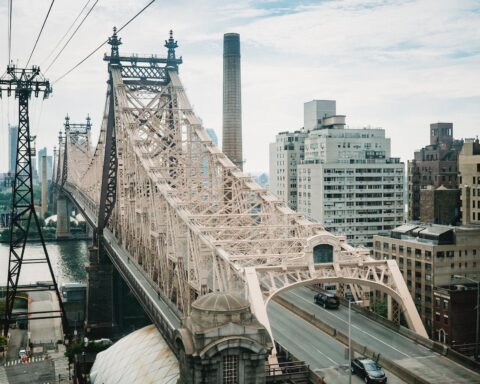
pixel 369 371
pixel 327 300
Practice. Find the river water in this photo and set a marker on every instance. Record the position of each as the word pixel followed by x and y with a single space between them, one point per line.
pixel 68 260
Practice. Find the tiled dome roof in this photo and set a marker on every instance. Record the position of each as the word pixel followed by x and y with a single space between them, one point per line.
pixel 221 302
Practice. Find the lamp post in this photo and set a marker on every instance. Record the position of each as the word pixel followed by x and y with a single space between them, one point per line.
pixel 350 338
pixel 478 310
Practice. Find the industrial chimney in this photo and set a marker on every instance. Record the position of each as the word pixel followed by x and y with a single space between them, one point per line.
pixel 232 99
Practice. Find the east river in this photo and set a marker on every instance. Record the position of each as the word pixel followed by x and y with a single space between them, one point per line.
pixel 68 260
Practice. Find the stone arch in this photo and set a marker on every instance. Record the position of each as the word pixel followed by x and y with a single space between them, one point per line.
pixel 324 239
pixel 228 342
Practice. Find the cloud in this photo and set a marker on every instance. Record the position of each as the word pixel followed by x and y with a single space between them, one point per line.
pixel 399 64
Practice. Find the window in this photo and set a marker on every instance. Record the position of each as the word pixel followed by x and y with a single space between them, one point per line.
pixel 437 316
pixel 400 248
pixel 445 305
pixel 440 254
pixel 230 369
pixel 445 319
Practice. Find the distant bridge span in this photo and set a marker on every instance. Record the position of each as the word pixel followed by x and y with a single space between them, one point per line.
pixel 186 215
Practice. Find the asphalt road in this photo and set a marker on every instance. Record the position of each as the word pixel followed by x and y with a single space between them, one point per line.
pixel 44 330
pixel 323 354
pixel 39 372
pixel 18 340
pixel 387 342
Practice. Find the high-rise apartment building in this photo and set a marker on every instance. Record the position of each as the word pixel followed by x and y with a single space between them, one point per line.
pixel 434 165
pixel 429 256
pixel 285 155
pixel 12 147
pixel 469 170
pixel 344 178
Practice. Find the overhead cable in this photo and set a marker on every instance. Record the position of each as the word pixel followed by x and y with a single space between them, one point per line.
pixel 66 33
pixel 102 44
pixel 73 34
pixel 40 33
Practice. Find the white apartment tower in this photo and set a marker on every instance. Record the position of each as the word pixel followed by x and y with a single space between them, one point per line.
pixel 345 178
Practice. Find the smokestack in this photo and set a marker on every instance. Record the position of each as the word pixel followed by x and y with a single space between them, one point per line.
pixel 232 99
pixel 44 187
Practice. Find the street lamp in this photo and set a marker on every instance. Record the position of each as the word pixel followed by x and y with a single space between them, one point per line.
pixel 350 338
pixel 478 310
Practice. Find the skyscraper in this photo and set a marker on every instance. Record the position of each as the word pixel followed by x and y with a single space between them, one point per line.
pixel 232 99
pixel 12 147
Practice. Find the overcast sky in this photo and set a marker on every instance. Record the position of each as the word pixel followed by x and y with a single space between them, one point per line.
pixel 397 64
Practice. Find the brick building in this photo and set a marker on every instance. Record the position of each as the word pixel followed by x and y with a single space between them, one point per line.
pixel 455 316
pixel 440 205
pixel 435 164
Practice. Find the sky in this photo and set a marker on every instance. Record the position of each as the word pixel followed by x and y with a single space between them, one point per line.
pixel 395 64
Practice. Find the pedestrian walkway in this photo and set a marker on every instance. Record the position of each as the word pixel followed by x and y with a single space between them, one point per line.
pixel 33 359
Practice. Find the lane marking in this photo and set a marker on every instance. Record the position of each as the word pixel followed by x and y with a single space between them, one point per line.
pixel 323 354
pixel 345 311
pixel 354 326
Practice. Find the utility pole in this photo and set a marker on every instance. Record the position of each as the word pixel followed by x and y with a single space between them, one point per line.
pixel 24 82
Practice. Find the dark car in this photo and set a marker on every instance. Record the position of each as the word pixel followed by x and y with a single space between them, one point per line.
pixel 368 370
pixel 327 300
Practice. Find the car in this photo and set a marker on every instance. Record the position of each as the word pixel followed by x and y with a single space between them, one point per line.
pixel 327 300
pixel 21 353
pixel 369 371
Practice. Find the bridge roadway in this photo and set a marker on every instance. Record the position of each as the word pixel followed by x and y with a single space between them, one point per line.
pixel 416 358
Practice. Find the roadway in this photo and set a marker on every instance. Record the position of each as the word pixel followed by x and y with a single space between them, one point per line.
pixel 387 342
pixel 324 355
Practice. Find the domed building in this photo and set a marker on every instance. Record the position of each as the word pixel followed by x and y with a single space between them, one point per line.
pixel 222 342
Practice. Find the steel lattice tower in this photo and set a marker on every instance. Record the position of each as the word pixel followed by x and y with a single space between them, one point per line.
pixel 23 82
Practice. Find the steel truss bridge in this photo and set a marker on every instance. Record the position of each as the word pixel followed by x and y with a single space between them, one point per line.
pixel 156 189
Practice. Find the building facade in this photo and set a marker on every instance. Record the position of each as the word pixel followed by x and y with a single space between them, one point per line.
pixel 469 169
pixel 344 178
pixel 12 147
pixel 434 165
pixel 440 205
pixel 455 316
pixel 429 256
pixel 285 155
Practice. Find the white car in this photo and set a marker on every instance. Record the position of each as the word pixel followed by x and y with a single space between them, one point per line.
pixel 21 353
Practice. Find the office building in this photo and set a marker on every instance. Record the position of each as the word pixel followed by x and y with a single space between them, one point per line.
pixel 344 178
pixel 469 170
pixel 12 147
pixel 434 165
pixel 428 257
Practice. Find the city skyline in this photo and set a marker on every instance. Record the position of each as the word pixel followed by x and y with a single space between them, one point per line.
pixel 401 79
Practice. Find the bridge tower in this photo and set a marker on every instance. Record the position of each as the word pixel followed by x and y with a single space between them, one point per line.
pixel 23 82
